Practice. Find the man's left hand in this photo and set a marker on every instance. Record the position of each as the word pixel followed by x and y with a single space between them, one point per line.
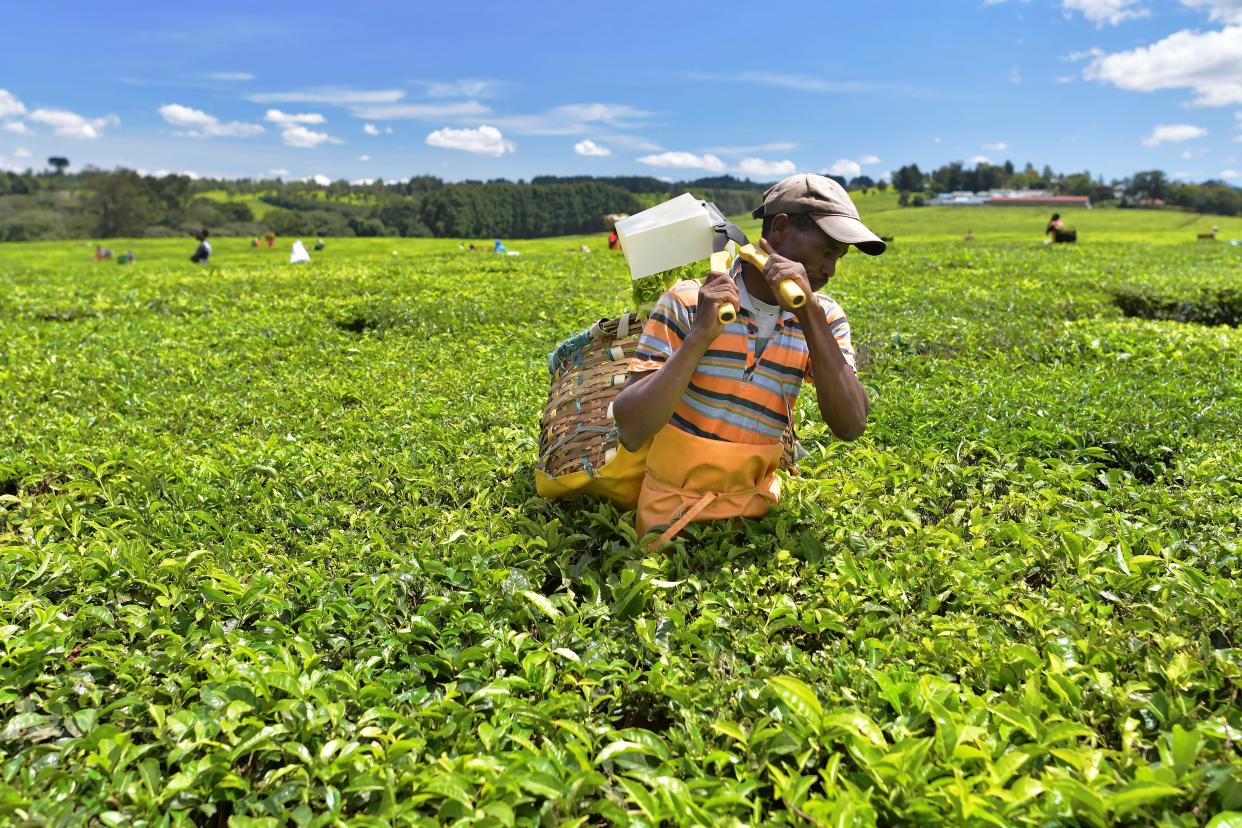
pixel 778 269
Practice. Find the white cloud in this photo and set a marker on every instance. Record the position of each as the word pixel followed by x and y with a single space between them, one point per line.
pixel 190 174
pixel 844 168
pixel 868 158
pixel 1221 11
pixel 364 158
pixel 1065 79
pixel 980 159
pixel 278 117
pixel 1229 173
pixel 1172 133
pixel 230 76
pixel 1075 57
pixel 1015 75
pixel 200 124
pixel 10 105
pixel 296 135
pixel 999 146
pixel 802 83
pixel 1112 12
pixel 1196 152
pixel 68 124
pixel 809 83
pixel 363 182
pixel 485 140
pixel 330 95
pixel 575 119
pixel 464 88
pixel 634 142
pixel 937 140
pixel 18 127
pixel 1207 63
pixel 763 168
pixel 591 149
pixel 320 179
pixel 21 152
pixel 684 160
pixel 372 129
pixel 278 172
pixel 423 112
pixel 776 146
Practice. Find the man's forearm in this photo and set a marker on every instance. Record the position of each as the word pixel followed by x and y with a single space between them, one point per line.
pixel 645 407
pixel 841 397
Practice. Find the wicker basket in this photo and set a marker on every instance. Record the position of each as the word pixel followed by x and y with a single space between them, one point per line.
pixel 577 431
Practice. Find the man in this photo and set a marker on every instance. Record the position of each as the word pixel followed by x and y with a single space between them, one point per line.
pixel 203 252
pixel 713 399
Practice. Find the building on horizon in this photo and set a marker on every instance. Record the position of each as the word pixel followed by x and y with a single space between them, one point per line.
pixel 1008 198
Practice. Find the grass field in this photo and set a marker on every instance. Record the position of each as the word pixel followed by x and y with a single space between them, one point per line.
pixel 270 551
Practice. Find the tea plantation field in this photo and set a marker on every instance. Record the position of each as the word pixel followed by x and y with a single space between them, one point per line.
pixel 270 552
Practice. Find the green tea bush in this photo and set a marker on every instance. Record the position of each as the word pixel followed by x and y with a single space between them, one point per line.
pixel 1206 306
pixel 270 554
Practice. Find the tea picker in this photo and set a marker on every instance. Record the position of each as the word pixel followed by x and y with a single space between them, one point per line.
pixel 579 449
pixel 705 414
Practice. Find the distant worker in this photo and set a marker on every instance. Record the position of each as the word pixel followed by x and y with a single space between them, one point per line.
pixel 1210 236
pixel 102 252
pixel 125 258
pixel 271 239
pixel 254 242
pixel 614 241
pixel 319 243
pixel 499 248
pixel 203 252
pixel 970 235
pixel 1060 233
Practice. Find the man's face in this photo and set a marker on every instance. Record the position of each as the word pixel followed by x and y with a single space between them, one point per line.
pixel 814 248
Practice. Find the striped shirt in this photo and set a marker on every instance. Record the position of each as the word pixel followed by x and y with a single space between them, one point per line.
pixel 731 396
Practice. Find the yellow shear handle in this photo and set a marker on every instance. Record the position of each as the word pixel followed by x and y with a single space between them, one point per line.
pixel 792 294
pixel 726 313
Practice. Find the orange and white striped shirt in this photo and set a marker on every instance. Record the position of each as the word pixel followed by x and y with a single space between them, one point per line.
pixel 732 395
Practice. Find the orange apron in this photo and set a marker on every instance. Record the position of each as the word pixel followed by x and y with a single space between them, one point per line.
pixel 691 478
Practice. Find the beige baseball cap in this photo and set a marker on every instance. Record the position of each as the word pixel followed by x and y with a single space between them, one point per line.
pixel 827 203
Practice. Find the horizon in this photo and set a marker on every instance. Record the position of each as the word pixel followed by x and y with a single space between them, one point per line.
pixel 1106 86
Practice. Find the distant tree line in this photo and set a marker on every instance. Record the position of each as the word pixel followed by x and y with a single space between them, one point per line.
pixel 96 203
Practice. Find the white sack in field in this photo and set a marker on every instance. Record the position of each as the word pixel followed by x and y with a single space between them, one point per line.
pixel 298 254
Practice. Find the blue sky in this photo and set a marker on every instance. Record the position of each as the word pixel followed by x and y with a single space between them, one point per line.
pixel 484 90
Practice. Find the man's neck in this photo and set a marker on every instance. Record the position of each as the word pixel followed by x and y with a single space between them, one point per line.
pixel 756 285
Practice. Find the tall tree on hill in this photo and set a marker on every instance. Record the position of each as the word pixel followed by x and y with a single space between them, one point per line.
pixel 59 162
pixel 1149 184
pixel 119 203
pixel 171 196
pixel 908 179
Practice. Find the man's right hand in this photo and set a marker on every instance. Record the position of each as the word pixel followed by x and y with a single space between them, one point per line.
pixel 718 289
